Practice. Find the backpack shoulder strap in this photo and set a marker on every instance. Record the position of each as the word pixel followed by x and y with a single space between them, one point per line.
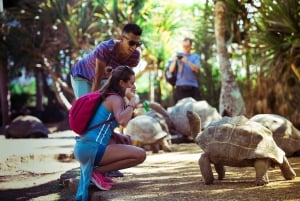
pixel 104 122
pixel 100 124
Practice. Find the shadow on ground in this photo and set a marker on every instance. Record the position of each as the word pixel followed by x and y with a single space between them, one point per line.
pixel 49 191
pixel 167 177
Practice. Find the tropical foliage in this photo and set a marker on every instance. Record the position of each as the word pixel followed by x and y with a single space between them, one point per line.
pixel 263 37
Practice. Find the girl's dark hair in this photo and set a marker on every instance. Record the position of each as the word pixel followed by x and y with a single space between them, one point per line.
pixel 112 85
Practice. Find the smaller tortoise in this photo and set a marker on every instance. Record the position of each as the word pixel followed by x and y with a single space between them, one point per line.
pixel 163 117
pixel 286 136
pixel 238 142
pixel 26 126
pixel 179 119
pixel 147 130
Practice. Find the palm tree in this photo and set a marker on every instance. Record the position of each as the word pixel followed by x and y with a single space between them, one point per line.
pixel 11 58
pixel 231 100
pixel 4 89
pixel 278 39
pixel 278 36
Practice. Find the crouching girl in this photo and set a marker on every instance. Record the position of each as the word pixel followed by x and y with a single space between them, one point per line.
pixel 96 150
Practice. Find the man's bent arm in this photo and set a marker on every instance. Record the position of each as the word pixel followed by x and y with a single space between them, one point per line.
pixel 99 72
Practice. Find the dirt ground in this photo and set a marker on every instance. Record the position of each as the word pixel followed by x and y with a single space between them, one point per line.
pixel 162 177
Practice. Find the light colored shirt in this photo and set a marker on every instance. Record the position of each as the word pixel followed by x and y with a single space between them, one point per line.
pixel 186 76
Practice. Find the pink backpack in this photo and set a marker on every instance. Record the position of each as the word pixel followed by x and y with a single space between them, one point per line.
pixel 82 111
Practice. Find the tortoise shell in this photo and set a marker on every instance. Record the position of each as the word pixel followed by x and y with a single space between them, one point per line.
pixel 237 138
pixel 202 108
pixel 26 126
pixel 146 129
pixel 286 136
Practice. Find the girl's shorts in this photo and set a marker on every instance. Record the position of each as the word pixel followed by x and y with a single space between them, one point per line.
pixel 99 155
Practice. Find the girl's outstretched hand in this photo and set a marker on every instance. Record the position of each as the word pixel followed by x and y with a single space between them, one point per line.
pixel 122 139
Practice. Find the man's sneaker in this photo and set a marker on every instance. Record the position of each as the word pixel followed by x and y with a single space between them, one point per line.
pixel 98 180
pixel 115 173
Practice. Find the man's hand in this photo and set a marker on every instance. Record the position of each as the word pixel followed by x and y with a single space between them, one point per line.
pixel 184 59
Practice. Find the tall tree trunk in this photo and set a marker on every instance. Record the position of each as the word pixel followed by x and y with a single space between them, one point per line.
pixel 39 89
pixel 4 93
pixel 231 100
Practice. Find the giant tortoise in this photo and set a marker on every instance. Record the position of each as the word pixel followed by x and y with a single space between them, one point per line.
pixel 202 108
pixel 26 126
pixel 151 128
pixel 147 130
pixel 238 142
pixel 286 136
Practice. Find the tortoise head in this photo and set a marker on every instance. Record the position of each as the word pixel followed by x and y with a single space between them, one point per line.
pixel 194 121
pixel 161 110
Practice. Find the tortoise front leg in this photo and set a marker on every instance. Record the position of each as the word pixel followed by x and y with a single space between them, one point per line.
pixel 261 167
pixel 165 144
pixel 205 168
pixel 286 169
pixel 154 148
pixel 220 169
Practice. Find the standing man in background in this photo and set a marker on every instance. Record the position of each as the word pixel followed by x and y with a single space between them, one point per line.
pixel 89 73
pixel 188 68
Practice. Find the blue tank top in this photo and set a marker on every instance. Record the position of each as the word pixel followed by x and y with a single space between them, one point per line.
pixel 101 134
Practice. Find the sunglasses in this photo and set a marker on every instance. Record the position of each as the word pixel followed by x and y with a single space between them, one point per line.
pixel 132 42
